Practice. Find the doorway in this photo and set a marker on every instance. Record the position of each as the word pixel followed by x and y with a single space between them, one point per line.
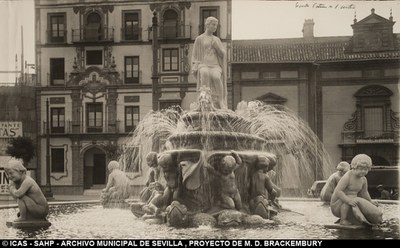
pixel 95 171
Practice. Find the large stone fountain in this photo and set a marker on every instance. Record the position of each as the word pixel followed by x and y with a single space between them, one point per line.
pixel 214 166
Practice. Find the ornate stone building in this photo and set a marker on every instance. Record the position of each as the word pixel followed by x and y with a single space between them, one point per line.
pixel 346 88
pixel 94 68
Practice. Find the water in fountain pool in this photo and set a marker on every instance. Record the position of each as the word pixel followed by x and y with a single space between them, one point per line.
pixel 92 221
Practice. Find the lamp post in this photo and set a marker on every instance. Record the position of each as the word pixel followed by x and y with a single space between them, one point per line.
pixel 48 193
pixel 154 76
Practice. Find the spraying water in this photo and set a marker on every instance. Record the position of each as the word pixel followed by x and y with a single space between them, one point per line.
pixel 254 127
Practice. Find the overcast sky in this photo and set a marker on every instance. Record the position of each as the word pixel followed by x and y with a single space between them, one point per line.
pixel 284 19
pixel 251 19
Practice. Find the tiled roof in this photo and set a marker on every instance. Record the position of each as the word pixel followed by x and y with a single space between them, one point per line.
pixel 321 49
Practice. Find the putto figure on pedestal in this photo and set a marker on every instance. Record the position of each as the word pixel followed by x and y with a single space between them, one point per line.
pixel 117 189
pixel 32 204
pixel 208 63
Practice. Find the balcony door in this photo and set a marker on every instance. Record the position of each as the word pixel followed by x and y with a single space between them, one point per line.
pixel 170 24
pixel 93 27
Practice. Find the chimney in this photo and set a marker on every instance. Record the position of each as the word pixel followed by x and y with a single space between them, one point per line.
pixel 308 29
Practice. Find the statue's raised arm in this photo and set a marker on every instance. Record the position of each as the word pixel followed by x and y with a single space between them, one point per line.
pixel 208 63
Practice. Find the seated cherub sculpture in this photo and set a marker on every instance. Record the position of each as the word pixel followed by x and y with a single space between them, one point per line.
pixel 162 198
pixel 153 176
pixel 351 201
pixel 32 203
pixel 118 184
pixel 261 183
pixel 261 186
pixel 229 192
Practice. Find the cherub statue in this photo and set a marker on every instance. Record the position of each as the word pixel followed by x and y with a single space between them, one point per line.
pixel 262 190
pixel 162 198
pixel 153 176
pixel 230 196
pixel 333 180
pixel 117 188
pixel 32 203
pixel 351 201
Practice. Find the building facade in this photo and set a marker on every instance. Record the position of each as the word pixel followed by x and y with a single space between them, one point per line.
pixel 346 88
pixel 94 77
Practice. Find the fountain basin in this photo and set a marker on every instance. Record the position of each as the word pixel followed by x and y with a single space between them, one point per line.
pixel 215 121
pixel 82 221
pixel 220 140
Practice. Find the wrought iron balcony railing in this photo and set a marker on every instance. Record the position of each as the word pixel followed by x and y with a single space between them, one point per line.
pixel 175 32
pixel 73 127
pixel 131 34
pixel 58 36
pixel 132 77
pixel 87 34
pixel 359 137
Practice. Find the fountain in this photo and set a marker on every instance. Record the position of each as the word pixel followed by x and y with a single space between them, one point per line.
pixel 252 131
pixel 216 163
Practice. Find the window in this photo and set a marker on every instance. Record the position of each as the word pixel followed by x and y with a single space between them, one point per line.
pixel 170 59
pixel 131 118
pixel 373 121
pixel 94 57
pixel 130 30
pixel 270 74
pixel 131 69
pixel 170 24
pixel 57 120
pixel 205 13
pixel 93 29
pixel 57 160
pixel 94 117
pixel 57 76
pixel 56 30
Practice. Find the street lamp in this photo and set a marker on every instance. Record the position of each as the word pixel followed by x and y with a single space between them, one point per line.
pixel 154 76
pixel 48 192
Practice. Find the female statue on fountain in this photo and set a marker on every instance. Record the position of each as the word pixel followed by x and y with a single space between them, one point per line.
pixel 208 61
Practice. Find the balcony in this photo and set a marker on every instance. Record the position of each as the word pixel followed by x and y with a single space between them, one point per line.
pixel 57 37
pixel 56 81
pixel 171 33
pixel 131 34
pixel 136 79
pixel 88 34
pixel 359 137
pixel 73 127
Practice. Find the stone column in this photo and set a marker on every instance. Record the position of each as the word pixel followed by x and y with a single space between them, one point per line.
pixel 76 111
pixel 77 164
pixel 112 110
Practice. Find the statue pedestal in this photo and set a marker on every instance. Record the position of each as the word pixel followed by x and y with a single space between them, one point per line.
pixel 352 227
pixel 28 224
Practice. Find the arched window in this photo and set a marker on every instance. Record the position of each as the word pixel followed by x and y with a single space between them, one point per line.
pixel 373 128
pixel 373 108
pixel 93 27
pixel 170 24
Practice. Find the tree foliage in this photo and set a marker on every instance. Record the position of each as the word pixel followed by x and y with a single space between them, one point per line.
pixel 22 148
pixel 113 151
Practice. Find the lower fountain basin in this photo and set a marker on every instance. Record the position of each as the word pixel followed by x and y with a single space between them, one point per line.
pixel 93 222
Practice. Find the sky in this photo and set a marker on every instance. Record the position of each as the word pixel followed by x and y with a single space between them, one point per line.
pixel 284 19
pixel 251 19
